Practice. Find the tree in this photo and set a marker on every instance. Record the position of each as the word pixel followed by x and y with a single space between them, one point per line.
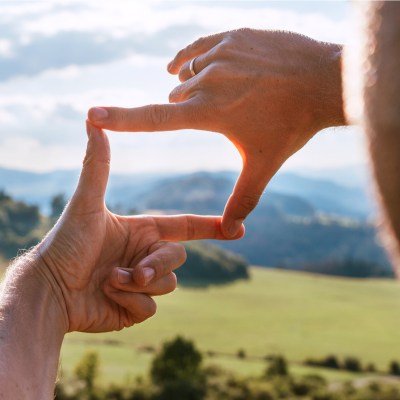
pixel 87 372
pixel 57 205
pixel 178 360
pixel 394 368
pixel 277 367
pixel 352 364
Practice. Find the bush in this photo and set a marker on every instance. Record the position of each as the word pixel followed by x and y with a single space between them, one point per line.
pixel 277 367
pixel 178 360
pixel 328 362
pixel 352 364
pixel 394 368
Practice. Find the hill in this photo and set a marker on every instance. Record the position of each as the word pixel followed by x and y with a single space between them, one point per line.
pixel 300 223
pixel 295 314
pixel 22 226
pixel 323 194
pixel 207 264
pixel 284 230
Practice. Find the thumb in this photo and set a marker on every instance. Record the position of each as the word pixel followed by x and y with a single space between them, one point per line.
pixel 90 192
pixel 244 198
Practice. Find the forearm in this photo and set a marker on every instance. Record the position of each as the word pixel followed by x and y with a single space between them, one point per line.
pixel 381 91
pixel 31 332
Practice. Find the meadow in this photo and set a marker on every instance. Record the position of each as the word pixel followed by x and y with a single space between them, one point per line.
pixel 295 314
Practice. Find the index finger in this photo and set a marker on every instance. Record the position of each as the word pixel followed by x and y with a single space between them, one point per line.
pixel 198 47
pixel 192 227
pixel 149 118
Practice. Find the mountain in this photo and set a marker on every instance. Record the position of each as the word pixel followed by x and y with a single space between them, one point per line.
pixel 284 230
pixel 127 190
pixel 299 223
pixel 327 196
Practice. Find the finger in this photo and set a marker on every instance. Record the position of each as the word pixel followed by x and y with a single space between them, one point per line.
pixel 200 63
pixel 136 307
pixel 185 72
pixel 150 118
pixel 95 171
pixel 191 227
pixel 163 258
pixel 122 279
pixel 198 47
pixel 183 92
pixel 244 198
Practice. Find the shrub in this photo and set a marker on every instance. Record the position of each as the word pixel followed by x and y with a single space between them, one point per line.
pixel 178 360
pixel 394 368
pixel 352 364
pixel 277 367
pixel 87 372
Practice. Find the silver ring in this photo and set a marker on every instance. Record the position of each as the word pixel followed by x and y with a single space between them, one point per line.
pixel 191 67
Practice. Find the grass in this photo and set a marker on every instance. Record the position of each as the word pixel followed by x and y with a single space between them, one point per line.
pixel 295 314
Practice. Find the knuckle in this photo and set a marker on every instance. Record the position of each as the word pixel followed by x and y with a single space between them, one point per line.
pixel 180 54
pixel 223 50
pixel 146 311
pixel 249 202
pixel 157 263
pixel 156 115
pixel 180 253
pixel 190 228
pixel 171 283
pixel 181 75
pixel 172 96
pixel 118 116
pixel 183 254
pixel 199 42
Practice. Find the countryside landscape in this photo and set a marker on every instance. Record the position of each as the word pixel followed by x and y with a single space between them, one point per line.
pixel 305 305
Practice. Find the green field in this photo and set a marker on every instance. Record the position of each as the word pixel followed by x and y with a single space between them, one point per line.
pixel 295 314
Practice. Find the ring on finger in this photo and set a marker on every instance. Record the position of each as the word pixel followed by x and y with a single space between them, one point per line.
pixel 191 67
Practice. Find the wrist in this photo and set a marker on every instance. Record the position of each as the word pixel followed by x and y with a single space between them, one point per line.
pixel 330 94
pixel 32 327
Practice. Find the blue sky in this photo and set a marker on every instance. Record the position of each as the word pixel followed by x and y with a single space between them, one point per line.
pixel 60 58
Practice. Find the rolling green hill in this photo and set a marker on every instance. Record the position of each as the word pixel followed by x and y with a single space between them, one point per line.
pixel 296 314
pixel 286 229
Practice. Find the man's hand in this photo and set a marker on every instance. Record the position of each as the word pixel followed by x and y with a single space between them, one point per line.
pixel 94 272
pixel 104 267
pixel 268 92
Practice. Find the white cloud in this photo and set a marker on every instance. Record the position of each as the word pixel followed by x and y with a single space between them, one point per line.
pixel 5 48
pixel 42 116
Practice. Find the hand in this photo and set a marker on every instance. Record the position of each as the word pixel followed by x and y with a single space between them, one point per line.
pixel 268 92
pixel 99 263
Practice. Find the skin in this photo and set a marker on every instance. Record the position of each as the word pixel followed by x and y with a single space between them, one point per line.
pixel 94 272
pixel 380 89
pixel 246 81
pixel 71 269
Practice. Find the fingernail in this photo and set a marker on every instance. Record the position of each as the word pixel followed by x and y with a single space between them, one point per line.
pixel 124 276
pixel 169 66
pixel 233 229
pixel 148 274
pixel 98 113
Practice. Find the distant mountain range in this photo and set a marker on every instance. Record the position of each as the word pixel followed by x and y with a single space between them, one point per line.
pixel 325 195
pixel 299 222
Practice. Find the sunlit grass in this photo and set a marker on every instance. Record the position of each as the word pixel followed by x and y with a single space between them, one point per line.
pixel 297 315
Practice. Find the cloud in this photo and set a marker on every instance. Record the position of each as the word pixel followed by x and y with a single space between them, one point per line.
pixel 59 59
pixel 82 48
pixel 44 36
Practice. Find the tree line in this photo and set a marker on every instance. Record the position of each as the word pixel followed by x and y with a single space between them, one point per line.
pixel 178 372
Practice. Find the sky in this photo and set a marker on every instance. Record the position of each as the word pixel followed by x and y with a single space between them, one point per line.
pixel 59 58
